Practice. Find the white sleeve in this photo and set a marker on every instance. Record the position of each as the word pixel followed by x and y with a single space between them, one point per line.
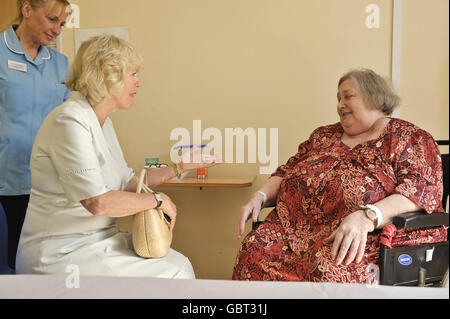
pixel 125 172
pixel 74 157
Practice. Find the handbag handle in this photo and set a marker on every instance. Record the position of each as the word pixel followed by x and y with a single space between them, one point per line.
pixel 141 182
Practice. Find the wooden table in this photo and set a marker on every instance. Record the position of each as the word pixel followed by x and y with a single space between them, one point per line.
pixel 212 181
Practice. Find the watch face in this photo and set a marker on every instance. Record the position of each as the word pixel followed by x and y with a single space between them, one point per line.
pixel 158 197
pixel 371 214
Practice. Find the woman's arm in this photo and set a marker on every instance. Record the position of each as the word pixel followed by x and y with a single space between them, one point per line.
pixel 271 187
pixel 349 240
pixel 128 202
pixel 158 176
pixel 395 205
pixel 252 209
pixel 125 203
pixel 119 204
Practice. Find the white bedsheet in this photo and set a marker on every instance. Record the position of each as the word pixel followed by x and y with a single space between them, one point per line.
pixel 103 287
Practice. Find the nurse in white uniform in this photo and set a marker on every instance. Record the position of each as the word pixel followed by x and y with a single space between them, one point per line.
pixel 81 182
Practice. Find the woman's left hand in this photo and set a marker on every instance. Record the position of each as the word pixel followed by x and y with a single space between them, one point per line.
pixel 195 159
pixel 349 240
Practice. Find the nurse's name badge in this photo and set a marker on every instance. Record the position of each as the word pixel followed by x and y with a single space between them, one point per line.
pixel 17 66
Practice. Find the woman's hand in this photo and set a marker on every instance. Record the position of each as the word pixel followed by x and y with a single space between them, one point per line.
pixel 349 240
pixel 195 159
pixel 251 209
pixel 169 209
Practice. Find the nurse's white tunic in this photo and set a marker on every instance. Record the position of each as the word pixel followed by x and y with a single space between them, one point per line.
pixel 74 158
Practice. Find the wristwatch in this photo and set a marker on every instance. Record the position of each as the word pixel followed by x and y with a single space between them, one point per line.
pixel 373 213
pixel 158 198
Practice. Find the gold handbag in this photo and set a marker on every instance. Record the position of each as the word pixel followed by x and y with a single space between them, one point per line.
pixel 150 232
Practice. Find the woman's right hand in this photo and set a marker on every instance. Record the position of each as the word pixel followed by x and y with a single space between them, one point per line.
pixel 251 209
pixel 170 209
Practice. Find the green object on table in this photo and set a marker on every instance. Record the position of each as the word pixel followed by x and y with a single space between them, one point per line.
pixel 151 160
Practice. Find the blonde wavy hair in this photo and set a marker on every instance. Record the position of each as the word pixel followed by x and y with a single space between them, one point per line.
pixel 101 67
pixel 377 90
pixel 36 4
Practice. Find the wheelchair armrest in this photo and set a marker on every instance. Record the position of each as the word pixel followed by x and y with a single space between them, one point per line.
pixel 420 220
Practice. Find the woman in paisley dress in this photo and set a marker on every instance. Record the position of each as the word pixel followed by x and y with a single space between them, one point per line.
pixel 320 229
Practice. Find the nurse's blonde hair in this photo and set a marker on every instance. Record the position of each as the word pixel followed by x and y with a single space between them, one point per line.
pixel 101 66
pixel 35 4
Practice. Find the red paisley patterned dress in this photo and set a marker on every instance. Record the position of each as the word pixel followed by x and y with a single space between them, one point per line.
pixel 326 181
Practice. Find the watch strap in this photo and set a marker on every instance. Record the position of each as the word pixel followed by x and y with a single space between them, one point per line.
pixel 158 199
pixel 377 211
